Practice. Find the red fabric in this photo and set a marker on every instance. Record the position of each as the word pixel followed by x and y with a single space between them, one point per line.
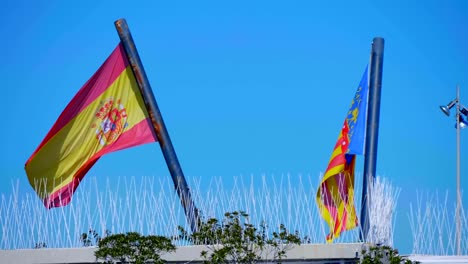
pixel 139 134
pixel 93 88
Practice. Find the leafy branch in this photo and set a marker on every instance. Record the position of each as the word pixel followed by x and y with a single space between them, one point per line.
pixel 383 254
pixel 236 240
pixel 133 248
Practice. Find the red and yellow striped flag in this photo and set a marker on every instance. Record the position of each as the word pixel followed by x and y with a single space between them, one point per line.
pixel 335 195
pixel 107 114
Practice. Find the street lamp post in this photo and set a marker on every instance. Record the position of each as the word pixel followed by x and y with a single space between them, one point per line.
pixel 459 123
pixel 458 172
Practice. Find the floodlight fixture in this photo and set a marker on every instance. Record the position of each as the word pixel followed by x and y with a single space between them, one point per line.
pixel 462 122
pixel 464 110
pixel 446 108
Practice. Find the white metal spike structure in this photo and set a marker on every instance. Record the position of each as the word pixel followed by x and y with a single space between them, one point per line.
pixel 382 212
pixel 149 206
pixel 433 225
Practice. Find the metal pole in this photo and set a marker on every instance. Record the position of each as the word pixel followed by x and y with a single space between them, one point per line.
pixel 457 213
pixel 372 130
pixel 165 143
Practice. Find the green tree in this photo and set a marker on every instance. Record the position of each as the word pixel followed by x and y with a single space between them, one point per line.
pixel 133 248
pixel 236 240
pixel 92 237
pixel 281 242
pixel 383 255
pixel 40 245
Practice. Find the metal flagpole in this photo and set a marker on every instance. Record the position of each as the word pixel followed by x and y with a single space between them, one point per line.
pixel 372 131
pixel 165 143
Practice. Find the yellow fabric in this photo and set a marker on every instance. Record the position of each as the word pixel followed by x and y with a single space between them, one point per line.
pixel 346 172
pixel 79 140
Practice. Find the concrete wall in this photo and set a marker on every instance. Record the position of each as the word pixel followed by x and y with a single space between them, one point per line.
pixel 309 253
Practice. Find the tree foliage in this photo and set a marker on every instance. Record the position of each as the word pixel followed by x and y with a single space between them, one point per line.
pixel 236 240
pixel 133 248
pixel 382 255
pixel 232 240
pixel 92 237
pixel 40 245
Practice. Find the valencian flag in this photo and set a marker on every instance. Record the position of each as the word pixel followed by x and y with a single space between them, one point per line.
pixel 107 114
pixel 335 195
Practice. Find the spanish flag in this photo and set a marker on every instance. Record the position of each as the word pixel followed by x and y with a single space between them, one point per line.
pixel 335 195
pixel 107 114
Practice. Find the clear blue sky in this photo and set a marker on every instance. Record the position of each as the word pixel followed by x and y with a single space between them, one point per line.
pixel 248 86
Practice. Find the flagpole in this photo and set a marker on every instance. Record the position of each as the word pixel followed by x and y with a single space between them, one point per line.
pixel 180 184
pixel 372 131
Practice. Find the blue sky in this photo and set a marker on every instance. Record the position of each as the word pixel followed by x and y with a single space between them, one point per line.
pixel 248 87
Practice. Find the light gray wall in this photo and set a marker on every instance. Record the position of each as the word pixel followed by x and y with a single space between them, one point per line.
pixel 309 253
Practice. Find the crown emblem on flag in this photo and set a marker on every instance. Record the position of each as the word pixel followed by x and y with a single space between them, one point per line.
pixel 112 120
